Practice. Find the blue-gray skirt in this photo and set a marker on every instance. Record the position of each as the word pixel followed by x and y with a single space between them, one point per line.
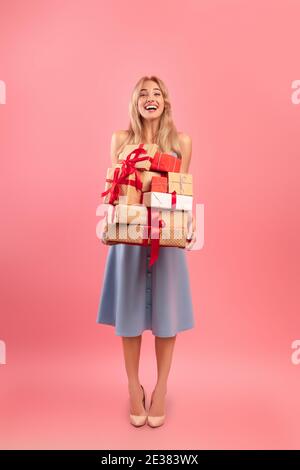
pixel 136 297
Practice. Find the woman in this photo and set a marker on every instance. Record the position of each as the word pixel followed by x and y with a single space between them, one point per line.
pixel 136 297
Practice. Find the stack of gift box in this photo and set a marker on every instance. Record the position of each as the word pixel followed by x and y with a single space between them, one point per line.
pixel 149 200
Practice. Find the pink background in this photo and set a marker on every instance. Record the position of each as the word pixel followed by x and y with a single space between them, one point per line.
pixel 69 67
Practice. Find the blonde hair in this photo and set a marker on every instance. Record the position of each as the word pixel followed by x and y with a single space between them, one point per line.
pixel 167 135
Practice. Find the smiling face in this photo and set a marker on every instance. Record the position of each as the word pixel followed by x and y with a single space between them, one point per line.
pixel 150 100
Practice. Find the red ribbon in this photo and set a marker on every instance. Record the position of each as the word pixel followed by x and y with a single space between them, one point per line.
pixel 121 174
pixel 114 189
pixel 129 163
pixel 174 199
pixel 155 233
pixel 151 232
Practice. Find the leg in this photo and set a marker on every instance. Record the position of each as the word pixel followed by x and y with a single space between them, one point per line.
pixel 131 350
pixel 164 348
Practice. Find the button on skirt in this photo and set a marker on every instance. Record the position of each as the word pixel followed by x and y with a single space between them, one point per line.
pixel 136 297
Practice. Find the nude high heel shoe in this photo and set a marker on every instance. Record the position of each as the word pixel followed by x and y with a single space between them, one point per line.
pixel 139 420
pixel 155 421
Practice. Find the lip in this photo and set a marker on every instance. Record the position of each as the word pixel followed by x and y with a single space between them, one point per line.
pixel 151 104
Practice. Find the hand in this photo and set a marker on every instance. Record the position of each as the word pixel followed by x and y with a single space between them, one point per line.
pixel 103 240
pixel 103 235
pixel 191 236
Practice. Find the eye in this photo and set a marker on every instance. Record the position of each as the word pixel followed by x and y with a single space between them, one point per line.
pixel 144 94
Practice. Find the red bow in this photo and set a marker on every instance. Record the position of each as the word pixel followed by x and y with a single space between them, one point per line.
pixel 121 174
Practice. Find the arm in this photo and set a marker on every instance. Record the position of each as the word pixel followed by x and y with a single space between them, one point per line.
pixel 117 139
pixel 185 143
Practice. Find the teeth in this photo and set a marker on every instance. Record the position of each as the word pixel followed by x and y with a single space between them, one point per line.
pixel 151 107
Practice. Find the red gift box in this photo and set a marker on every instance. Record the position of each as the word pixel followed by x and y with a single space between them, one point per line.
pixel 165 162
pixel 159 183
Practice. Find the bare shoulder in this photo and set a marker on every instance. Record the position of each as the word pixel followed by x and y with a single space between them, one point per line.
pixel 120 136
pixel 117 139
pixel 184 138
pixel 185 143
pixel 121 133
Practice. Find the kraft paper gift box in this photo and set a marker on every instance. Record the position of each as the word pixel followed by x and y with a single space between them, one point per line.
pixel 127 233
pixel 159 184
pixel 129 195
pixel 174 228
pixel 172 233
pixel 146 177
pixel 127 214
pixel 164 201
pixel 182 183
pixel 170 230
pixel 134 149
pixel 125 189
